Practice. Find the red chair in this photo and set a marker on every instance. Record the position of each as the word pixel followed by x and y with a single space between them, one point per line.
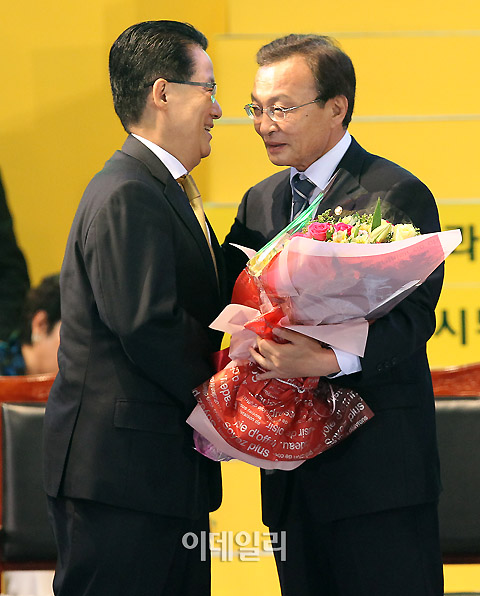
pixel 26 539
pixel 459 381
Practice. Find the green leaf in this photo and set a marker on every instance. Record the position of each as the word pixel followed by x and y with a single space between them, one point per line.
pixel 377 215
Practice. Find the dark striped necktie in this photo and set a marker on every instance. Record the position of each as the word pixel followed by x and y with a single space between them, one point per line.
pixel 302 191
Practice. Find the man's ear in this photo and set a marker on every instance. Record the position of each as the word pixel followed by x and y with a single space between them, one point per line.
pixel 159 92
pixel 339 107
pixel 39 325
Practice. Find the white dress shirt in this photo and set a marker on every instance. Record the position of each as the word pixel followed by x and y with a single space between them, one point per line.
pixel 322 170
pixel 172 164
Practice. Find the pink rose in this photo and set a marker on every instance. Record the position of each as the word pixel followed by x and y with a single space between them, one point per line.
pixel 318 231
pixel 341 227
pixel 300 234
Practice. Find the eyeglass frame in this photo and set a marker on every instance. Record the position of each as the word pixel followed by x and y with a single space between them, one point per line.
pixel 270 113
pixel 210 87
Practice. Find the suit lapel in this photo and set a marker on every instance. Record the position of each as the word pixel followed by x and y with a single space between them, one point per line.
pixel 220 262
pixel 281 205
pixel 176 198
pixel 346 189
pixel 342 193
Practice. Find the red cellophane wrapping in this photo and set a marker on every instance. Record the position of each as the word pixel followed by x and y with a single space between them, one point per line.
pixel 273 423
pixel 278 420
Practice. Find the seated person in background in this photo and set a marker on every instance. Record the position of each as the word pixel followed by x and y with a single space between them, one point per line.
pixel 32 349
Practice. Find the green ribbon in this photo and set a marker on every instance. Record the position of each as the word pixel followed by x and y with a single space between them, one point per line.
pixel 261 259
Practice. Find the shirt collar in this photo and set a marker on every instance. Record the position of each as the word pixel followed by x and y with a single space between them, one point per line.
pixel 172 164
pixel 322 170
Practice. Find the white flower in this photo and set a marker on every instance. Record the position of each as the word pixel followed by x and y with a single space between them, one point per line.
pixel 361 238
pixel 403 231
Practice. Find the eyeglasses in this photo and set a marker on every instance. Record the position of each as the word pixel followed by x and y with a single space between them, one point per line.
pixel 211 87
pixel 275 113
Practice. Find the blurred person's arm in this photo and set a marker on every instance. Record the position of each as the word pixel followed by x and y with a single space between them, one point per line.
pixel 14 281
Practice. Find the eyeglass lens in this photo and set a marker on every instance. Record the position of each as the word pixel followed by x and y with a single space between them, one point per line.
pixel 273 112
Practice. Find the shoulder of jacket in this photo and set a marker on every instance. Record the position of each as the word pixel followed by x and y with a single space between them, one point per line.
pixel 272 181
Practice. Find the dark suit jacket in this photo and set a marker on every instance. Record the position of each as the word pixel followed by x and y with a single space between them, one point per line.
pixel 392 460
pixel 138 291
pixel 14 280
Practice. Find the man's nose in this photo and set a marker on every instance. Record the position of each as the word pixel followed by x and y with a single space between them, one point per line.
pixel 216 110
pixel 265 124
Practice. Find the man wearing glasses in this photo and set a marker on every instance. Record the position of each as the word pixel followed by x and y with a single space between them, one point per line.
pixel 129 496
pixel 360 518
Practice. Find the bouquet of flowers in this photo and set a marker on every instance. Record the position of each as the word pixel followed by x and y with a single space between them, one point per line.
pixel 326 278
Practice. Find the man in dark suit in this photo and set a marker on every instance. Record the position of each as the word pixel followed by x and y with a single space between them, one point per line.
pixel 361 518
pixel 141 281
pixel 14 281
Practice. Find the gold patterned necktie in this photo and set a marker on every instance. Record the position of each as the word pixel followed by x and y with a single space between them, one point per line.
pixel 193 194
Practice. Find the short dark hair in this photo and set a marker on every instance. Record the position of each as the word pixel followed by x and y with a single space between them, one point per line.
pixel 332 69
pixel 45 296
pixel 143 53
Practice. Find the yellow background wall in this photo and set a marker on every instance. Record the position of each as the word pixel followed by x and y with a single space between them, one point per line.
pixel 417 104
pixel 57 124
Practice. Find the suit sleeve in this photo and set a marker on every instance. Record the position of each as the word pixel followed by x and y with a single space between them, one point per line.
pixel 396 337
pixel 235 259
pixel 14 280
pixel 132 252
pixel 252 228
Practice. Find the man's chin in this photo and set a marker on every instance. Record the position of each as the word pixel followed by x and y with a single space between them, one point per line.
pixel 277 156
pixel 277 160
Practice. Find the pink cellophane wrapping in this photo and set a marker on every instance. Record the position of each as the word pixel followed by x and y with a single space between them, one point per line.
pixel 328 291
pixel 325 290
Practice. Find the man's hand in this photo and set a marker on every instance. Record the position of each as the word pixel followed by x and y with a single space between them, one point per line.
pixel 302 356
